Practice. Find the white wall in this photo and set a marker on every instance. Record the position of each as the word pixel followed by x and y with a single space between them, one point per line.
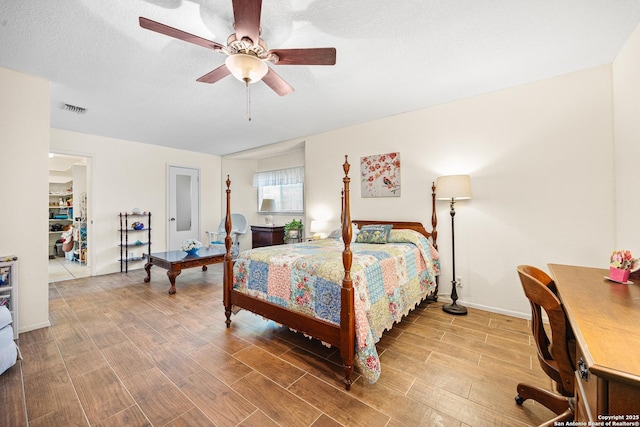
pixel 129 175
pixel 626 86
pixel 79 173
pixel 540 158
pixel 24 226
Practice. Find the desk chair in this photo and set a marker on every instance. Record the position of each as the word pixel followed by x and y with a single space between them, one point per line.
pixel 556 355
pixel 239 226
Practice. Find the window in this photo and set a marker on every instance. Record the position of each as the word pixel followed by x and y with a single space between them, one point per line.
pixel 285 186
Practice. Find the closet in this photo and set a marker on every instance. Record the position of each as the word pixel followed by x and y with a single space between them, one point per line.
pixel 68 208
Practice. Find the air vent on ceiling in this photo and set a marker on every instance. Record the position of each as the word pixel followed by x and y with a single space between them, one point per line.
pixel 73 108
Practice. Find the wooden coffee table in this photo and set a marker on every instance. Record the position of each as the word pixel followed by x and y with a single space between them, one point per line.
pixel 175 261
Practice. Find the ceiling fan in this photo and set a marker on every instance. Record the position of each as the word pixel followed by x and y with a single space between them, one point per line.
pixel 247 52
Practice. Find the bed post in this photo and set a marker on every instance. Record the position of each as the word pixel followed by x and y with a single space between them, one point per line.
pixel 434 236
pixel 434 217
pixel 347 315
pixel 228 260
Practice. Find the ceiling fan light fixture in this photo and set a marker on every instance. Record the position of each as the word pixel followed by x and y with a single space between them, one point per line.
pixel 246 68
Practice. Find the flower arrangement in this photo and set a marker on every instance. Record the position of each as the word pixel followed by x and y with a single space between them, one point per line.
pixel 622 259
pixel 190 245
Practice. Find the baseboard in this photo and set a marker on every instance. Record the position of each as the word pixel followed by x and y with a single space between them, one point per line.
pixel 34 327
pixel 447 299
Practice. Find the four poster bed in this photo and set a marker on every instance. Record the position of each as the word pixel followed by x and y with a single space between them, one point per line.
pixel 340 292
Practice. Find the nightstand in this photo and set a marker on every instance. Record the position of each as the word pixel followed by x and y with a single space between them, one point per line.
pixel 266 235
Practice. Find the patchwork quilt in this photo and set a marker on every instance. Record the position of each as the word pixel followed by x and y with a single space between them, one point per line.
pixel 389 280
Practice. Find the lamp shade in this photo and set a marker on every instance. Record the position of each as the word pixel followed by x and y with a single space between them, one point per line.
pixel 246 68
pixel 268 205
pixel 317 226
pixel 456 187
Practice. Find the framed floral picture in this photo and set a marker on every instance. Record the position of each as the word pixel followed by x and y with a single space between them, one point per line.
pixel 380 175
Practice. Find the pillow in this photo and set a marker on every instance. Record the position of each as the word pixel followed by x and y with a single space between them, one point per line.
pixel 354 232
pixel 403 235
pixel 337 233
pixel 374 233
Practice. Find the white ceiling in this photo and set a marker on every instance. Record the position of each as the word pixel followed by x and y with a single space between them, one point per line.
pixel 392 57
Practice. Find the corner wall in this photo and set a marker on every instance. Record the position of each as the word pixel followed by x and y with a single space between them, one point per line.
pixel 626 96
pixel 244 196
pixel 243 193
pixel 24 228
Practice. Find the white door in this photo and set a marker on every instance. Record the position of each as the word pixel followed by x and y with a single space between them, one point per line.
pixel 184 206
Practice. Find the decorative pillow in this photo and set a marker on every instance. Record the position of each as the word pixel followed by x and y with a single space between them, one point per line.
pixel 374 234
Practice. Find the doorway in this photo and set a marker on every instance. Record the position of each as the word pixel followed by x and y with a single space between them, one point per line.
pixel 184 205
pixel 69 217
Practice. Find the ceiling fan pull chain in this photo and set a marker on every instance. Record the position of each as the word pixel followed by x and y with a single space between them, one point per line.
pixel 246 82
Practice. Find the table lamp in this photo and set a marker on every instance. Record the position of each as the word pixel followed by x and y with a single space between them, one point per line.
pixel 268 206
pixel 316 228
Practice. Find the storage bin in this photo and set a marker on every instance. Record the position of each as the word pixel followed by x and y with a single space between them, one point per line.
pixel 59 250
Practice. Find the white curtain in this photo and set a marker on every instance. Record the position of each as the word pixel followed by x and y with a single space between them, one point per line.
pixel 279 177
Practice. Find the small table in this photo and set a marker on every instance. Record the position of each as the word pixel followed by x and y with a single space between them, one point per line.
pixel 175 261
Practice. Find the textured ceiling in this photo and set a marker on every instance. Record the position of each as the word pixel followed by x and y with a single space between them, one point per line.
pixel 392 57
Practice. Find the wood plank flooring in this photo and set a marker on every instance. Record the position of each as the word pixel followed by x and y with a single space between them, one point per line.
pixel 121 352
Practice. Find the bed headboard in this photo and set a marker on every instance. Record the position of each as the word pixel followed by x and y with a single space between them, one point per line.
pixel 417 226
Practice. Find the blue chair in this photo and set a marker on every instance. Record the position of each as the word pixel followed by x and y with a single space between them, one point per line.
pixel 239 226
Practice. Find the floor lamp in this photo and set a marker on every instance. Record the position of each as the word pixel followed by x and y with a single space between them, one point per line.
pixel 452 188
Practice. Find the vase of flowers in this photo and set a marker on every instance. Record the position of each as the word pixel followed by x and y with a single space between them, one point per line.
pixel 620 264
pixel 191 246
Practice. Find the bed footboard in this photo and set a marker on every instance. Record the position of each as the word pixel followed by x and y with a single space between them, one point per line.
pixel 342 336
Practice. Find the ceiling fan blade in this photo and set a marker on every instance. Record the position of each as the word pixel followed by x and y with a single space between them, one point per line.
pixel 246 14
pixel 178 34
pixel 215 75
pixel 311 56
pixel 277 83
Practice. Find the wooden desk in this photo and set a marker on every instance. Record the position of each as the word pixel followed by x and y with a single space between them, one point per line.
pixel 175 261
pixel 605 317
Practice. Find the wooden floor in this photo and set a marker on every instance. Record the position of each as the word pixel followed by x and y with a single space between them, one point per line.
pixel 124 353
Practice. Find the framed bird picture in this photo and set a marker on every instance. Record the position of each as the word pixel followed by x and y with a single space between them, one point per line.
pixel 380 175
